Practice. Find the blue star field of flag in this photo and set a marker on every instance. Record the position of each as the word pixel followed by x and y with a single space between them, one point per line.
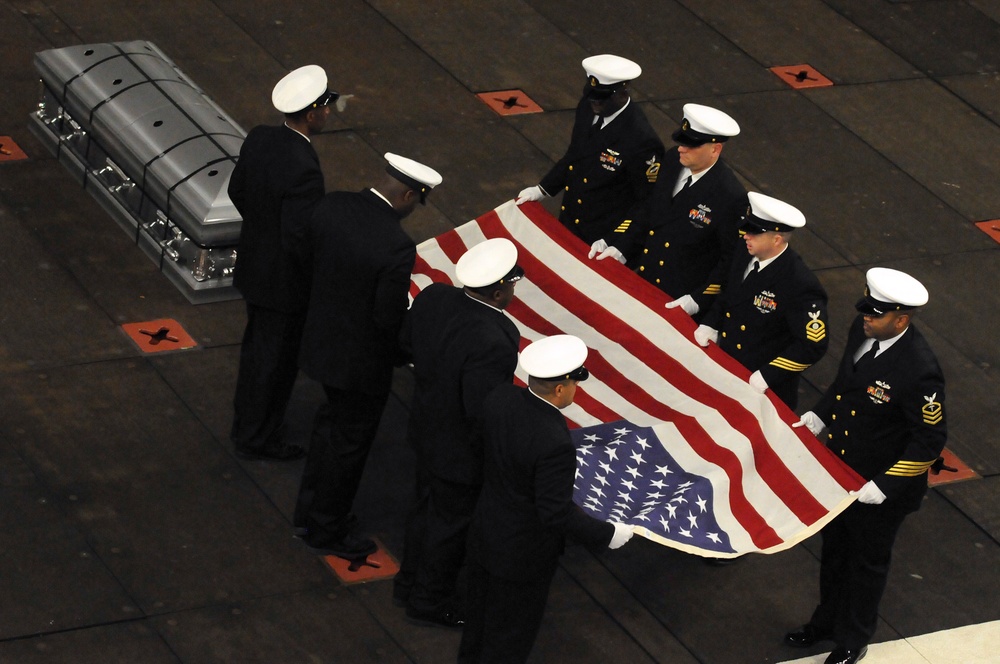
pixel 624 474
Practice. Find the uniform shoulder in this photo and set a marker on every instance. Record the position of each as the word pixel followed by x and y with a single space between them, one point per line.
pixel 439 298
pixel 641 127
pixel 927 359
pixel 505 397
pixel 727 176
pixel 803 275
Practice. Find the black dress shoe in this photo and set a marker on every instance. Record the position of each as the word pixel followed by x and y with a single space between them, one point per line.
pixel 350 522
pixel 449 618
pixel 279 452
pixel 807 636
pixel 349 546
pixel 846 655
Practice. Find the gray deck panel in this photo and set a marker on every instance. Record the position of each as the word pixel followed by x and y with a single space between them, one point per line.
pixel 680 55
pixel 102 421
pixel 855 197
pixel 126 642
pixel 980 91
pixel 65 325
pixel 590 572
pixel 51 580
pixel 496 46
pixel 804 32
pixel 940 559
pixel 939 38
pixel 185 539
pixel 922 133
pixel 979 500
pixel 314 626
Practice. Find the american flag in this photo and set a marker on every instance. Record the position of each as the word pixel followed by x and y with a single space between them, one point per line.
pixel 670 437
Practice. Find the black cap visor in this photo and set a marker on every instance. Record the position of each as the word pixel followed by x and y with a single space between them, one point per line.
pixel 516 274
pixel 325 99
pixel 755 226
pixel 687 139
pixel 412 183
pixel 691 138
pixel 871 306
pixel 578 374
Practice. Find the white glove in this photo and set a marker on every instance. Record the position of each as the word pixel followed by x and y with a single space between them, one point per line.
pixel 598 247
pixel 623 533
pixel 341 102
pixel 703 334
pixel 812 422
pixel 757 382
pixel 685 302
pixel 601 250
pixel 869 494
pixel 530 194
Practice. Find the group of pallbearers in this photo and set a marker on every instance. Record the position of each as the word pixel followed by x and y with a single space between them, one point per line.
pixel 326 278
pixel 684 223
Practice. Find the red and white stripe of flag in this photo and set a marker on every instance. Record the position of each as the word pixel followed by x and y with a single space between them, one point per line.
pixel 774 485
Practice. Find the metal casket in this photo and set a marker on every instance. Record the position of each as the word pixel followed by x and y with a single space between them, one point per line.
pixel 153 149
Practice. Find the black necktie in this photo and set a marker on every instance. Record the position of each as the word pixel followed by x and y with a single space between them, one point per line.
pixel 754 269
pixel 868 356
pixel 687 183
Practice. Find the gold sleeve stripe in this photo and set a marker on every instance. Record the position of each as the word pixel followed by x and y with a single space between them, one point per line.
pixel 788 365
pixel 909 468
pixel 622 227
pixel 713 289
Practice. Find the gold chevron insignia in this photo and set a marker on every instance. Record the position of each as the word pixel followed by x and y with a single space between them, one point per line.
pixel 909 468
pixel 788 365
pixel 932 411
pixel 652 169
pixel 815 328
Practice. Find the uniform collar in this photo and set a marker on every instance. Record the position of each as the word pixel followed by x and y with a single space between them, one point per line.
pixel 614 115
pixel 377 193
pixel 299 133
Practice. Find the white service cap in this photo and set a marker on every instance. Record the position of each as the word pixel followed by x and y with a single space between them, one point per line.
pixel 606 72
pixel 891 290
pixel 487 263
pixel 767 213
pixel 704 124
pixel 413 174
pixel 299 89
pixel 555 358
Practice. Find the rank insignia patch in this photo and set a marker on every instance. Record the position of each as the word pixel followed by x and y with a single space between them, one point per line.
pixel 622 227
pixel 652 169
pixel 815 328
pixel 932 411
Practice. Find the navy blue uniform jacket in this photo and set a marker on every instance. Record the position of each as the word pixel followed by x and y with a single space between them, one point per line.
pixel 605 173
pixel 361 280
pixel 526 508
pixel 685 245
pixel 886 420
pixel 774 322
pixel 461 349
pixel 276 184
